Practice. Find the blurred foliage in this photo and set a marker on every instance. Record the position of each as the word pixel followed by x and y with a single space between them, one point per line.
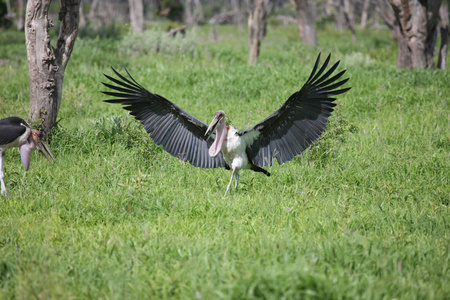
pixel 172 9
pixel 108 31
pixel 157 41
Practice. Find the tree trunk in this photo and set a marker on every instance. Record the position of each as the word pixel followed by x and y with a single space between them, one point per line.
pixel 198 11
pixel 137 15
pixel 365 13
pixel 328 8
pixel 189 13
pixel 46 65
pixel 339 15
pixel 92 11
pixel 193 12
pixel 83 22
pixel 10 14
pixel 238 16
pixel 391 22
pixel 92 15
pixel 305 22
pixel 257 28
pixel 417 32
pixel 350 18
pixel 20 18
pixel 444 15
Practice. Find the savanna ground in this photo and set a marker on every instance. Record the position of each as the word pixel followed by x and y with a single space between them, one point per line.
pixel 364 214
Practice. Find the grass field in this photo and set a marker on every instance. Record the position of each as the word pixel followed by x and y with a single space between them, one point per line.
pixel 363 214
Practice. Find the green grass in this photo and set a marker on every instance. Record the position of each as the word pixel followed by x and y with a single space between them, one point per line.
pixel 363 214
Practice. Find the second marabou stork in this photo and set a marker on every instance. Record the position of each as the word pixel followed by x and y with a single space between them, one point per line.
pixel 15 132
pixel 282 136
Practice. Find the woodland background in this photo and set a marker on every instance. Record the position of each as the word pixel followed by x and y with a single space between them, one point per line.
pixel 362 214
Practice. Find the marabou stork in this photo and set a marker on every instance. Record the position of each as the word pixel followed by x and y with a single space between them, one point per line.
pixel 283 135
pixel 15 132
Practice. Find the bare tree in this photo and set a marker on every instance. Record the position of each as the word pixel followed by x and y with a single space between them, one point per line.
pixel 414 27
pixel 198 10
pixel 339 15
pixel 9 12
pixel 106 12
pixel 256 29
pixel 16 17
pixel 365 13
pixel 193 12
pixel 83 21
pixel 137 15
pixel 305 22
pixel 444 29
pixel 328 7
pixel 238 16
pixel 189 13
pixel 344 15
pixel 46 65
pixel 94 7
pixel 350 17
pixel 20 23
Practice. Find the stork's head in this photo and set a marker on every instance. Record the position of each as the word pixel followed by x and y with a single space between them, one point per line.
pixel 41 145
pixel 34 140
pixel 218 125
pixel 219 119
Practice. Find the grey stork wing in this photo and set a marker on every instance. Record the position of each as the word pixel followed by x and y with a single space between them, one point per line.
pixel 10 129
pixel 179 133
pixel 299 121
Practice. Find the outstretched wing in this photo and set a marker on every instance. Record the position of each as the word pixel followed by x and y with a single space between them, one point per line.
pixel 179 133
pixel 299 121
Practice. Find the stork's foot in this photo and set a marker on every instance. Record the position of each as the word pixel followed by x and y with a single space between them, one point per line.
pixel 231 180
pixel 228 188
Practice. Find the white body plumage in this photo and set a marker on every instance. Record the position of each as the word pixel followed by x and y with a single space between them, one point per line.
pixel 233 150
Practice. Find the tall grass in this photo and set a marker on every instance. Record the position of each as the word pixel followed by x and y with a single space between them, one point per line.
pixel 363 214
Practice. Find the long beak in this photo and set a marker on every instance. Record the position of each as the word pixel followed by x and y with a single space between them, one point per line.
pixel 42 146
pixel 212 127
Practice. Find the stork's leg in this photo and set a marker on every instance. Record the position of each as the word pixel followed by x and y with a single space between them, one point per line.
pixel 1 175
pixel 237 180
pixel 231 180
